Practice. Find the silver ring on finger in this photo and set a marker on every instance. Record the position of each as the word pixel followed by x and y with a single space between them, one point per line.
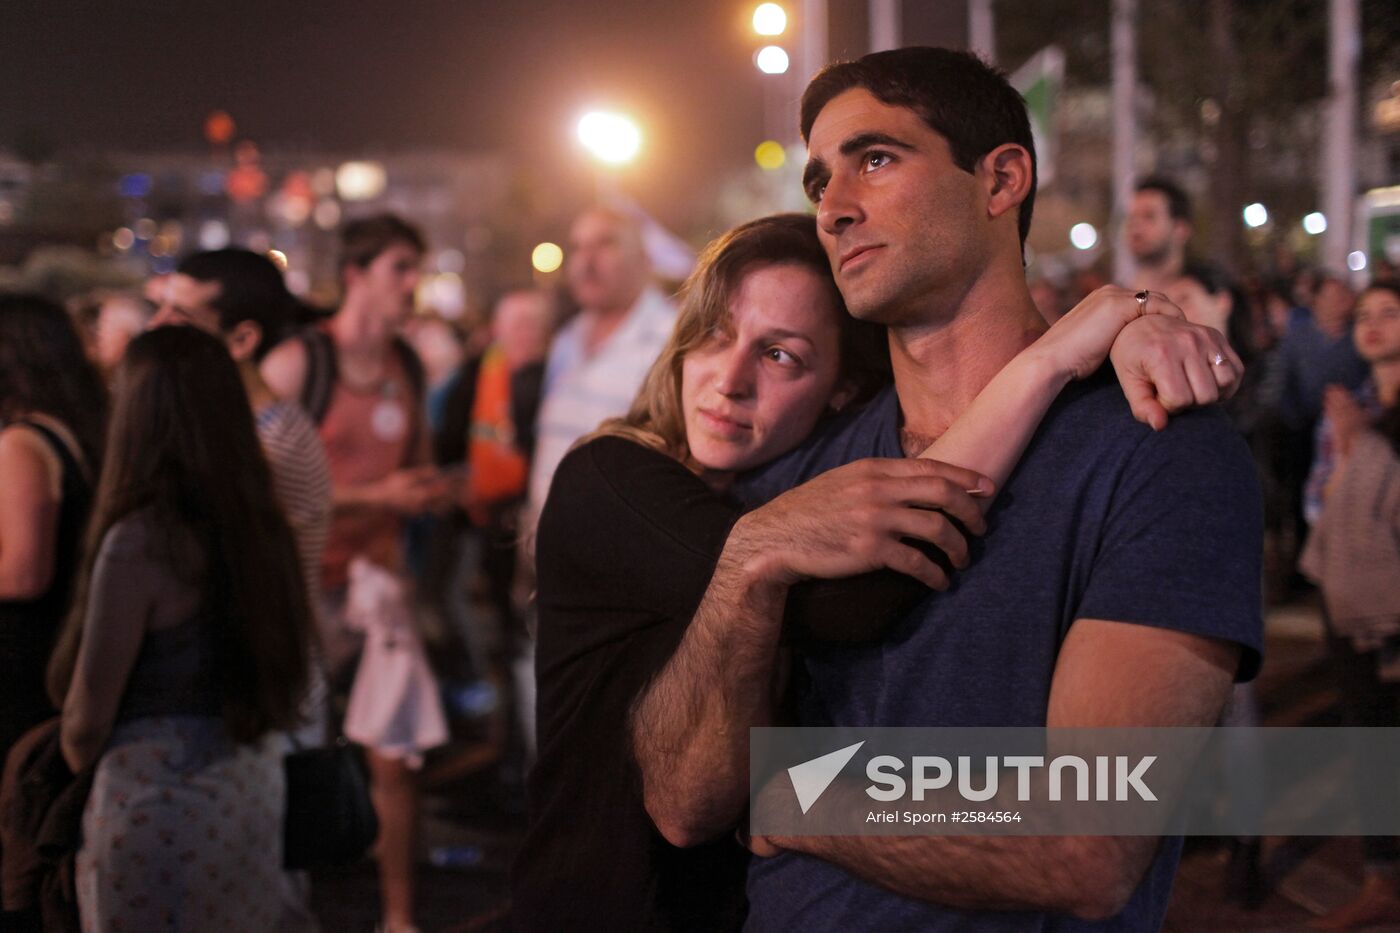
pixel 1218 359
pixel 1141 298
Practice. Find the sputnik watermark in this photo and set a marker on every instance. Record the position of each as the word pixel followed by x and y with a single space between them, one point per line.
pixel 1038 781
pixel 1114 777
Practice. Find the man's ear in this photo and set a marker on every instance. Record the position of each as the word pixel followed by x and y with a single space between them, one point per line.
pixel 1009 175
pixel 243 340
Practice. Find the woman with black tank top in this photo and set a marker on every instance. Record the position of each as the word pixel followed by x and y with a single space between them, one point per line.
pixel 185 650
pixel 51 418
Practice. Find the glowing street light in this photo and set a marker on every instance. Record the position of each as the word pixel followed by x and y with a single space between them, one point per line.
pixel 1315 223
pixel 769 155
pixel 360 181
pixel 1256 215
pixel 611 137
pixel 547 258
pixel 769 19
pixel 772 60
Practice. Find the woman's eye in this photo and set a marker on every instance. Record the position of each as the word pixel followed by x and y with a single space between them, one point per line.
pixel 779 355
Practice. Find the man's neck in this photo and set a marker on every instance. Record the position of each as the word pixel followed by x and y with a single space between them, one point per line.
pixel 940 368
pixel 358 331
pixel 603 323
pixel 1155 275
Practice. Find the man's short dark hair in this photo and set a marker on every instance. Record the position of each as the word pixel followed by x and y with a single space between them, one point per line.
pixel 251 288
pixel 362 241
pixel 962 98
pixel 1178 201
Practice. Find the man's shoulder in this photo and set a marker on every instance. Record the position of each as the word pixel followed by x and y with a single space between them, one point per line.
pixel 1096 411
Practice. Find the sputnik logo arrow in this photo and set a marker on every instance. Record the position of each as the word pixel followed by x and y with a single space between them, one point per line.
pixel 811 778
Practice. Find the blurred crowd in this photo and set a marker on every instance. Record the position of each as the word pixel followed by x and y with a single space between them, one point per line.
pixel 233 525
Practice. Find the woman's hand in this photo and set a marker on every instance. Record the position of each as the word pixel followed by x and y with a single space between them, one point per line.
pixel 1077 344
pixel 1166 365
pixel 1345 416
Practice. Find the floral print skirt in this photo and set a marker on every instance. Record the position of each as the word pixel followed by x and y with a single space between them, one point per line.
pixel 183 831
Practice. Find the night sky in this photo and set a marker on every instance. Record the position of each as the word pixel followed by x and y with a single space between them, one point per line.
pixel 366 77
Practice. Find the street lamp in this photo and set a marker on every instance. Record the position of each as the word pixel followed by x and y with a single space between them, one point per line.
pixel 611 137
pixel 772 60
pixel 769 19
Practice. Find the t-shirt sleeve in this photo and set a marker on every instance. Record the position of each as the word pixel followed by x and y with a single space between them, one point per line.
pixel 1182 542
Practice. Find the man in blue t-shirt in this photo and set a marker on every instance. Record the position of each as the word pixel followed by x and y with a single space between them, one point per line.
pixel 1118 584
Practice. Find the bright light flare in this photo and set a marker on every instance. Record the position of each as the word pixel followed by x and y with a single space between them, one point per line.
pixel 772 60
pixel 1083 236
pixel 769 155
pixel 769 19
pixel 611 137
pixel 1356 260
pixel 547 258
pixel 1315 223
pixel 360 181
pixel 1256 214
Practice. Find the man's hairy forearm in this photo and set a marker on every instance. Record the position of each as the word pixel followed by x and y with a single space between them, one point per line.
pixel 690 727
pixel 1087 876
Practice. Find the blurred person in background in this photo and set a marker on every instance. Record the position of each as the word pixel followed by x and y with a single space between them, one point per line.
pixel 488 431
pixel 52 408
pixel 363 385
pixel 1353 557
pixel 1315 350
pixel 241 298
pixel 186 646
pixel 109 321
pixel 1157 227
pixel 598 359
pixel 441 348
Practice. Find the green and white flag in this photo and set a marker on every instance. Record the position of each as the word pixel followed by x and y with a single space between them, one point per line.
pixel 1040 80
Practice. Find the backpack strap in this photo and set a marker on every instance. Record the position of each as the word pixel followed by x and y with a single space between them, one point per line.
pixel 321 374
pixel 417 383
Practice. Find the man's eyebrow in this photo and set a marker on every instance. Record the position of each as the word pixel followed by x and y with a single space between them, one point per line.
pixel 865 140
pixel 816 169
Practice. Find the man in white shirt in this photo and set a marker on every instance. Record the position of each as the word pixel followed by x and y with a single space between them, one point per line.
pixel 599 359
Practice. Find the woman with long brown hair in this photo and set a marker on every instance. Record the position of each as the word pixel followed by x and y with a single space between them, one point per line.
pixel 187 645
pixel 762 350
pixel 51 420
